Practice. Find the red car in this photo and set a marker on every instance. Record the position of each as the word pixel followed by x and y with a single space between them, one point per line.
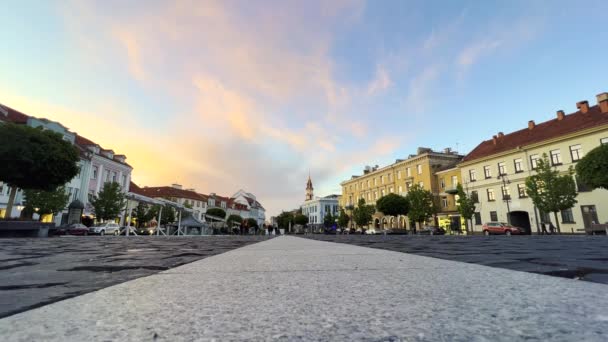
pixel 78 229
pixel 500 228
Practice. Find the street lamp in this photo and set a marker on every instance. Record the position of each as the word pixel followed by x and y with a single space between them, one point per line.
pixel 505 196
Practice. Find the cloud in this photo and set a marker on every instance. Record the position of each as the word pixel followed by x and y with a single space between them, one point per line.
pixel 418 97
pixel 381 81
pixel 472 53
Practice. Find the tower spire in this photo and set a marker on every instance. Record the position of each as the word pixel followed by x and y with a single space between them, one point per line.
pixel 309 188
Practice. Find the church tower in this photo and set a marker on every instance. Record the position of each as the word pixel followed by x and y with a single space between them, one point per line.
pixel 309 189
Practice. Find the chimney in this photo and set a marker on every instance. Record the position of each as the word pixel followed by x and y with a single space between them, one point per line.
pixel 560 115
pixel 494 140
pixel 531 124
pixel 602 101
pixel 583 106
pixel 500 134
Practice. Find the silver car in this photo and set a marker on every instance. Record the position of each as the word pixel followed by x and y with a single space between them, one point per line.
pixel 105 228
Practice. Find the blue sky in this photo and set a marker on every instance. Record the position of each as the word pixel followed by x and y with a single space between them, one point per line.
pixel 222 95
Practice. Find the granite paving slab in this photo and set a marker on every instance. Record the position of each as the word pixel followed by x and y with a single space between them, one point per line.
pixel 290 288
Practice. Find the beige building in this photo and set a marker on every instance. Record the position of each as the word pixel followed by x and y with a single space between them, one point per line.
pixel 376 182
pixel 448 216
pixel 496 169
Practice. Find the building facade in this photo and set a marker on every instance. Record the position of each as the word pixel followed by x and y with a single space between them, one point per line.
pixel 397 178
pixel 496 170
pixel 316 208
pixel 254 207
pixel 176 193
pixel 448 216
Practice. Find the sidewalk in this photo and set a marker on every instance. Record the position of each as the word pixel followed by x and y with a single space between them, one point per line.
pixel 291 288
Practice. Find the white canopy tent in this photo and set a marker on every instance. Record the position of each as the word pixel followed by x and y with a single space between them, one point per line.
pixel 156 201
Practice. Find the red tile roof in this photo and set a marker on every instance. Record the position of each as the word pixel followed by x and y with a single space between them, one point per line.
pixel 167 191
pixel 571 123
pixel 134 188
pixel 13 116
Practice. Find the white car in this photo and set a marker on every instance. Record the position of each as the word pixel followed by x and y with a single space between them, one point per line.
pixel 105 228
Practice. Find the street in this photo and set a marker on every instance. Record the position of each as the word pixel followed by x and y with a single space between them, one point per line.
pixel 575 257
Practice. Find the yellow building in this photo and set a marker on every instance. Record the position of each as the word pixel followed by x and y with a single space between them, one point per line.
pixel 398 177
pixel 448 216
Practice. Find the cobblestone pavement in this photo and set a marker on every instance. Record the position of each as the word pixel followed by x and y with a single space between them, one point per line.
pixel 35 272
pixel 575 257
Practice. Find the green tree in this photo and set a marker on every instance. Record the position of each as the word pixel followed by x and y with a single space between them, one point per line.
pixel 466 206
pixel 46 202
pixel 141 213
pixel 393 205
pixel 550 191
pixel 362 214
pixel 167 215
pixel 329 220
pixel 217 212
pixel 284 219
pixel 252 223
pixel 34 159
pixel 343 218
pixel 234 219
pixel 422 204
pixel 592 170
pixel 301 219
pixel 109 202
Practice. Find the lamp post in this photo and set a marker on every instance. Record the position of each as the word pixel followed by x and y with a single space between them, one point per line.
pixel 506 197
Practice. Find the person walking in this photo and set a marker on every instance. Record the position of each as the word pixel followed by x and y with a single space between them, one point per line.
pixel 551 228
pixel 543 226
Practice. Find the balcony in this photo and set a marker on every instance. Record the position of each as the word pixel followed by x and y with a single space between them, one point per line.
pixel 452 190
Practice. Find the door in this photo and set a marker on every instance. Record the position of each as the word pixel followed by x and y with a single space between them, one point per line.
pixel 455 223
pixel 589 215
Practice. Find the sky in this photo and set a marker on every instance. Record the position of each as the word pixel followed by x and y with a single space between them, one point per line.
pixel 223 95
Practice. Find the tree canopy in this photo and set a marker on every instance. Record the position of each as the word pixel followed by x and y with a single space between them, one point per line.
pixel 218 212
pixel 301 219
pixel 466 205
pixel 143 213
pixel 35 159
pixel 47 202
pixel 392 205
pixel 362 214
pixel 329 220
pixel 284 218
pixel 592 170
pixel 234 219
pixel 422 204
pixel 343 218
pixel 109 202
pixel 167 216
pixel 252 223
pixel 550 191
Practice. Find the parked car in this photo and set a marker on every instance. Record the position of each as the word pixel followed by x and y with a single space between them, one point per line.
pixel 492 228
pixel 431 230
pixel 146 231
pixel 78 229
pixel 105 228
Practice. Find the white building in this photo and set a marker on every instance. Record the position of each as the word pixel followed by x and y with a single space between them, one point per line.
pixel 255 208
pixel 317 208
pixel 496 169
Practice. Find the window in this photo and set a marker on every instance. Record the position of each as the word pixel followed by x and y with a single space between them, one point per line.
pixel 399 174
pixel 502 169
pixel 382 193
pixel 419 168
pixel 75 194
pixel 375 181
pixel 567 216
pixel 556 157
pixel 491 195
pixel 400 189
pixel 506 193
pixel 375 194
pixel 408 172
pixel 493 216
pixel 454 181
pixel 421 184
pixel 475 196
pixel 521 190
pixel 391 190
pixel 576 152
pixel 487 172
pixel 442 183
pixel 444 202
pixel 534 161
pixel 472 175
pixel 478 219
pixel 94 172
pixel 124 180
pixel 518 165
